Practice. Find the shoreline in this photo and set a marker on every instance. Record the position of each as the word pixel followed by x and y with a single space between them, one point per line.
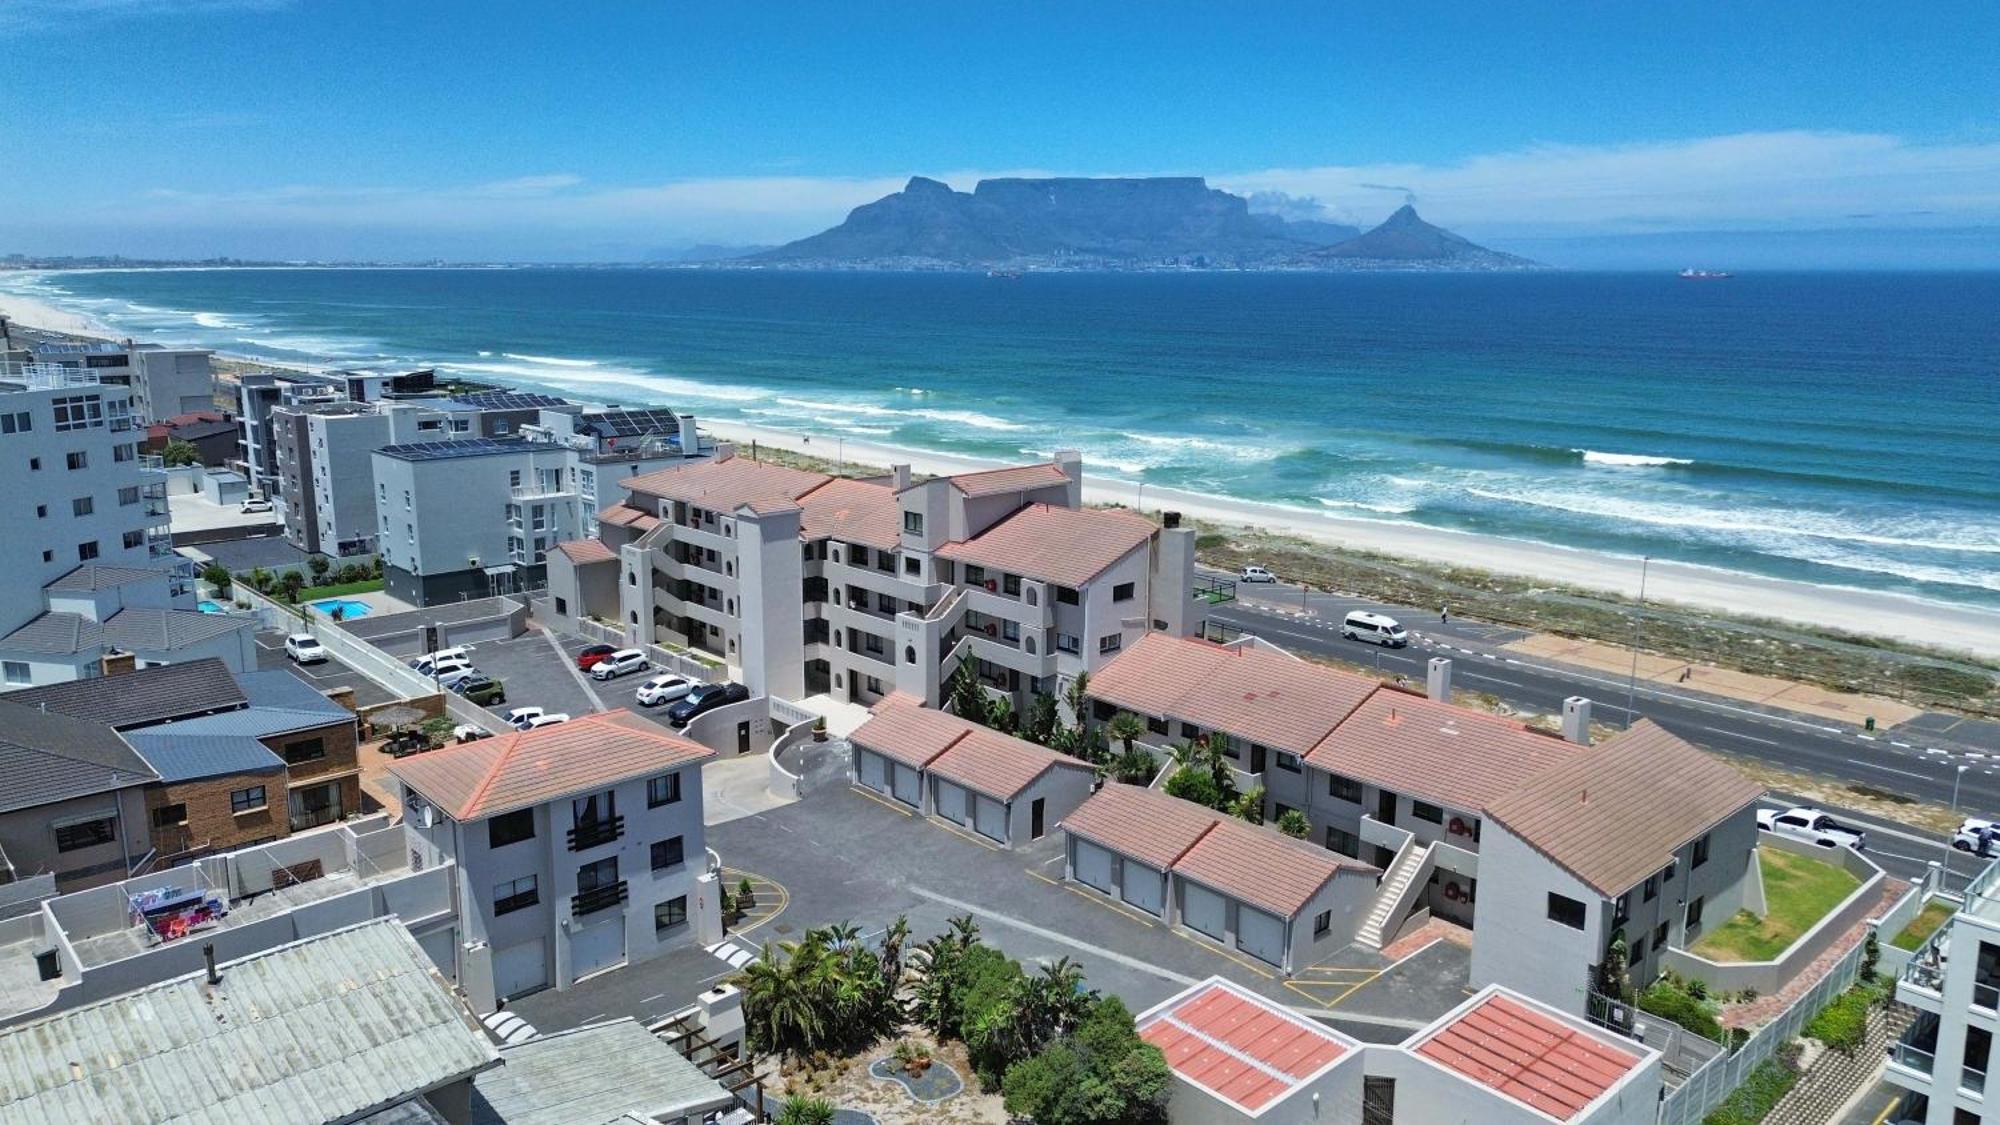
pixel 1911 620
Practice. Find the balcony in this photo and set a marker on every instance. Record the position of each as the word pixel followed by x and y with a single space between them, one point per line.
pixel 592 833
pixel 596 899
pixel 543 491
pixel 55 376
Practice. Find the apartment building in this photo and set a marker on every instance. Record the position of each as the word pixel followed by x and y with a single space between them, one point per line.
pixel 164 381
pixel 579 849
pixel 326 484
pixel 258 393
pixel 1953 981
pixel 812 584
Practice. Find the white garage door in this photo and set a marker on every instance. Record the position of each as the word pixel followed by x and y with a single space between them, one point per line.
pixel 1145 887
pixel 520 969
pixel 596 948
pixel 909 785
pixel 1260 935
pixel 951 802
pixel 1093 866
pixel 990 818
pixel 874 771
pixel 1203 910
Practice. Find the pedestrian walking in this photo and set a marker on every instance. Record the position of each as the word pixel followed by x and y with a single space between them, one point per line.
pixel 1444 615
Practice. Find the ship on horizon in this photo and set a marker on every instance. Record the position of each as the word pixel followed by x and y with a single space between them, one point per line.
pixel 1705 275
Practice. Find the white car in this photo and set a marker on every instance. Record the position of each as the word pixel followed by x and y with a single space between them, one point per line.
pixel 665 689
pixel 450 676
pixel 618 663
pixel 304 648
pixel 540 721
pixel 520 717
pixel 1375 628
pixel 466 732
pixel 1812 826
pixel 1256 574
pixel 1980 837
pixel 427 663
pixel 254 506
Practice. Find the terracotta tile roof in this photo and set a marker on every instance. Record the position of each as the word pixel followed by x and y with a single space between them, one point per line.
pixel 725 486
pixel 496 775
pixel 1067 546
pixel 1267 697
pixel 1241 1048
pixel 1528 1055
pixel 625 515
pixel 902 728
pixel 1452 756
pixel 1014 478
pixel 854 512
pixel 1261 867
pixel 1149 826
pixel 582 551
pixel 998 765
pixel 1616 813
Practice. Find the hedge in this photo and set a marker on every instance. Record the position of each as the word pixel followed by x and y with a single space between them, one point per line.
pixel 1749 1103
pixel 1676 1006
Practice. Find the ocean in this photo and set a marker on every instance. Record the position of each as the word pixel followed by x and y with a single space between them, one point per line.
pixel 1840 429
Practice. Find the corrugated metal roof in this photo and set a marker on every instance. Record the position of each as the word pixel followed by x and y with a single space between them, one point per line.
pixel 591 1076
pixel 496 775
pixel 250 722
pixel 91 576
pixel 277 687
pixel 184 757
pixel 1067 546
pixel 143 697
pixel 46 756
pixel 318 1030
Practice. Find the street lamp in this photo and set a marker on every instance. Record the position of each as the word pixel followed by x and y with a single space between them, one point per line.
pixel 1638 630
pixel 1956 778
pixel 1140 505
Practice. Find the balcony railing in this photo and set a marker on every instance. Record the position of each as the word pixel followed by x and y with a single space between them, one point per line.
pixel 596 899
pixel 1912 1056
pixel 592 833
pixel 52 376
pixel 538 491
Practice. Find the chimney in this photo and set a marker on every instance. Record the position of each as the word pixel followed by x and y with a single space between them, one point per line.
pixel 208 958
pixel 1576 720
pixel 1071 464
pixel 116 662
pixel 690 436
pixel 1170 519
pixel 899 477
pixel 1437 683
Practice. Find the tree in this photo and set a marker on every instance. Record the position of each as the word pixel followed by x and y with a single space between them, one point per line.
pixel 968 700
pixel 319 565
pixel 1101 1073
pixel 1135 767
pixel 893 940
pixel 290 585
pixel 1078 698
pixel 1614 973
pixel 1000 714
pixel 1192 783
pixel 1126 728
pixel 1043 719
pixel 802 1110
pixel 1294 824
pixel 218 576
pixel 178 452
pixel 1871 956
pixel 1249 806
pixel 259 579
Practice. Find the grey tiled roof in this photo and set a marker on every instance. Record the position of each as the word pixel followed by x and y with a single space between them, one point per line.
pixel 47 757
pixel 593 1074
pixel 63 634
pixel 178 756
pixel 141 698
pixel 327 1029
pixel 141 628
pixel 91 576
pixel 277 687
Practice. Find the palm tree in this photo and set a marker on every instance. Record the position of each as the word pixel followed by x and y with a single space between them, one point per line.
pixel 1078 698
pixel 840 935
pixel 1060 998
pixel 893 940
pixel 1000 714
pixel 1126 728
pixel 967 700
pixel 781 1014
pixel 964 930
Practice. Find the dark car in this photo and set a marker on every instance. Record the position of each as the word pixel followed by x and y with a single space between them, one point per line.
pixel 481 689
pixel 592 655
pixel 704 699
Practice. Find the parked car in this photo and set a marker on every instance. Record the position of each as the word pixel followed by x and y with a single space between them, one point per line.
pixel 482 689
pixel 591 654
pixel 1980 837
pixel 540 721
pixel 704 699
pixel 304 648
pixel 428 662
pixel 620 662
pixel 1256 574
pixel 1375 628
pixel 451 677
pixel 447 671
pixel 665 689
pixel 466 732
pixel 256 505
pixel 520 717
pixel 1812 826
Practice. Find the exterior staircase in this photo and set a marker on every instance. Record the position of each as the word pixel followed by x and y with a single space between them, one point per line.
pixel 1406 876
pixel 1835 1077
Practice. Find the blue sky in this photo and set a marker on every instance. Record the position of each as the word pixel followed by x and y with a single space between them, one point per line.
pixel 261 127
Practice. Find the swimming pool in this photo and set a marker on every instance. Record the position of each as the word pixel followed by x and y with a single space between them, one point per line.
pixel 349 608
pixel 207 606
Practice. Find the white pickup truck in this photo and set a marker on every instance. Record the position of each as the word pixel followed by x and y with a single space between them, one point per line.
pixel 1812 826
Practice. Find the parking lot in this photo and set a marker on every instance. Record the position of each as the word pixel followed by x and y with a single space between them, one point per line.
pixel 538 669
pixel 324 676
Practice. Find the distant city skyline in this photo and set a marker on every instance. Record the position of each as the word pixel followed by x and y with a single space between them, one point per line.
pixel 267 129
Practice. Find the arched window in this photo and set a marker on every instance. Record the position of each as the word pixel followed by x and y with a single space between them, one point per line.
pixel 909 654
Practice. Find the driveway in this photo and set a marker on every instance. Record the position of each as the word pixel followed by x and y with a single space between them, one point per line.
pixel 325 676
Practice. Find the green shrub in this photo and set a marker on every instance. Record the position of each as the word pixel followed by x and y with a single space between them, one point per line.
pixel 1676 1005
pixel 1844 1021
pixel 801 1110
pixel 1749 1103
pixel 1192 783
pixel 1293 823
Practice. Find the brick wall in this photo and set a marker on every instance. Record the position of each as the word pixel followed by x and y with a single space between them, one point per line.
pixel 337 760
pixel 211 823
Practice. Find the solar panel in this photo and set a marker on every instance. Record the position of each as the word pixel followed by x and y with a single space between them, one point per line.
pixel 445 450
pixel 510 400
pixel 631 423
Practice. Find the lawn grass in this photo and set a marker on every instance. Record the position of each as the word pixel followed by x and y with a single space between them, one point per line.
pixel 1799 890
pixel 1920 929
pixel 339 589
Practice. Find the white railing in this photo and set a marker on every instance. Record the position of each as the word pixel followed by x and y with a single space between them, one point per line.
pixel 53 376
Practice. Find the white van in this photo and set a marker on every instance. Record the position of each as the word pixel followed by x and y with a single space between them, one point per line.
pixel 1376 628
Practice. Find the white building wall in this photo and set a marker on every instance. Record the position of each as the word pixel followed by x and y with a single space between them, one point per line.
pixel 1061 789
pixel 1516 944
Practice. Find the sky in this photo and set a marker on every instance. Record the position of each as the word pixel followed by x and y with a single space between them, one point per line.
pixel 622 130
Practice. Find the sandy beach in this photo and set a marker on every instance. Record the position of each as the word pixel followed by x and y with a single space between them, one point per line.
pixel 1911 620
pixel 28 312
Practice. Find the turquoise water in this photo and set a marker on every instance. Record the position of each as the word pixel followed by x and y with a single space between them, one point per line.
pixel 207 606
pixel 349 608
pixel 1832 428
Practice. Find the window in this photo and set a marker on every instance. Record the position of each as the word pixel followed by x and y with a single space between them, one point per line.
pixel 913 566
pixel 857 555
pixel 1378 1101
pixel 76 412
pixel 1286 761
pixel 515 894
pixel 34 464
pixel 1700 853
pixel 167 816
pixel 124 452
pixel 1157 725
pixel 913 523
pixel 246 800
pixel 1010 584
pixel 306 750
pixel 1660 936
pixel 1425 811
pixel 86 551
pixel 87 834
pixel 1069 643
pixel 77 459
pixel 1066 596
pixel 1322 924
pixel 15 671
pixel 1112 643
pixel 663 790
pixel 1637 952
pixel 132 539
pixel 668 854
pixel 1667 876
pixel 1122 592
pixel 41 511
pixel 1565 910
pixel 669 914
pixel 1346 843
pixel 1652 890
pixel 128 496
pixel 513 478
pixel 1622 909
pixel 510 828
pixel 82 506
pixel 1694 914
pixel 19 423
pixel 1345 788
pixel 592 876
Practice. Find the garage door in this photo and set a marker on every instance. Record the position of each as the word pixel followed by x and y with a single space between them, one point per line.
pixel 1093 866
pixel 874 772
pixel 1145 887
pixel 521 969
pixel 951 802
pixel 1203 910
pixel 909 785
pixel 990 818
pixel 594 949
pixel 1260 935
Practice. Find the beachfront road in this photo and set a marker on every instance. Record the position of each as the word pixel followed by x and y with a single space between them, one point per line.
pixel 1914 763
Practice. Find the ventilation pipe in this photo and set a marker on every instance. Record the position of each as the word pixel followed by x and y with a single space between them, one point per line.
pixel 1437 684
pixel 1576 720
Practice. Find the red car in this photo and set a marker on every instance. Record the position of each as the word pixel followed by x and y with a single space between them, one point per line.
pixel 592 655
